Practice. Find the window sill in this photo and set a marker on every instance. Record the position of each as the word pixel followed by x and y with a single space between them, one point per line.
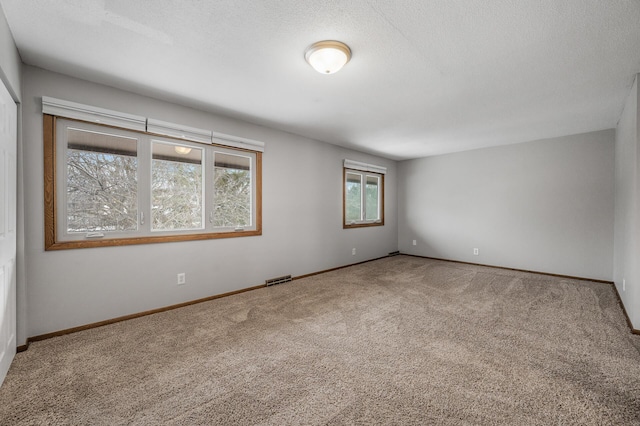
pixel 362 224
pixel 111 242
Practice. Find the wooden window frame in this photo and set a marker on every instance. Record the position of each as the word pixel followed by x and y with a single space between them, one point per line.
pixel 363 224
pixel 51 241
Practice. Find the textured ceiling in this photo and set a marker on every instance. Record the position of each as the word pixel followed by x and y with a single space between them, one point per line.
pixel 426 77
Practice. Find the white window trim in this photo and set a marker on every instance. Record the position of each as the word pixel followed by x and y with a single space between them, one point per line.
pixel 364 167
pixel 93 114
pixel 77 111
pixel 252 168
pixel 178 131
pixel 148 182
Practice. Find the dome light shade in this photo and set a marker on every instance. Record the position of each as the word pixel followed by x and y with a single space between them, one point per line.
pixel 184 150
pixel 327 57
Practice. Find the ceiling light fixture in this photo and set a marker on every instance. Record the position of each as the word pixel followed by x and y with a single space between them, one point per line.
pixel 328 56
pixel 182 150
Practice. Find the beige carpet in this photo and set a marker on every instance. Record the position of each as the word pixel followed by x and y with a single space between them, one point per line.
pixel 400 340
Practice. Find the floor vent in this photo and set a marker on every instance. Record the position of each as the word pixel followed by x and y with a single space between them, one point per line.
pixel 394 253
pixel 279 280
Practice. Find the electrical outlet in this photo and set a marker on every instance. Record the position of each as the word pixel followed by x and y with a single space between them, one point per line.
pixel 182 278
pixel 476 252
pixel 624 285
pixel 414 242
pixel 353 251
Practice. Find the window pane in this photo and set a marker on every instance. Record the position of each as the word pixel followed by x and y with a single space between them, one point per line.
pixel 353 198
pixel 372 201
pixel 176 187
pixel 232 186
pixel 101 182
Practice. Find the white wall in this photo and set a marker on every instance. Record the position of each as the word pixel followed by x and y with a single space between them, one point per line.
pixel 10 62
pixel 543 206
pixel 11 76
pixel 302 221
pixel 627 209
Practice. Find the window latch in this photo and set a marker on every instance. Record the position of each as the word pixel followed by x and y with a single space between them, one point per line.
pixel 210 217
pixel 94 235
pixel 141 218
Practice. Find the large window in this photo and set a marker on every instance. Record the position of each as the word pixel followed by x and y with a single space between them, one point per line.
pixel 111 186
pixel 363 198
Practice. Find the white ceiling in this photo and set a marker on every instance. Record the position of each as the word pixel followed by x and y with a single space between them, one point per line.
pixel 426 77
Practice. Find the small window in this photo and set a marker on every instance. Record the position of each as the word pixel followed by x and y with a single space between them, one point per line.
pixel 363 199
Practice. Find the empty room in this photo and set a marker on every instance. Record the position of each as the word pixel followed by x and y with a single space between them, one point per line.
pixel 319 212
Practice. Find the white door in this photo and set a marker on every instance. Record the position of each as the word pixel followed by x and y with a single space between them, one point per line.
pixel 8 192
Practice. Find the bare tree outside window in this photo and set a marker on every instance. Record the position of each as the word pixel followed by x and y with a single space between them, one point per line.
pixel 101 183
pixel 176 188
pixel 232 186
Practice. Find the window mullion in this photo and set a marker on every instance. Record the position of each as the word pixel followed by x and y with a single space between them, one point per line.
pixel 144 185
pixel 363 195
pixel 61 179
pixel 380 197
pixel 208 188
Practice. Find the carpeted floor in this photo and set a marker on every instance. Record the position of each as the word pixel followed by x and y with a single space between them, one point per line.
pixel 400 340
